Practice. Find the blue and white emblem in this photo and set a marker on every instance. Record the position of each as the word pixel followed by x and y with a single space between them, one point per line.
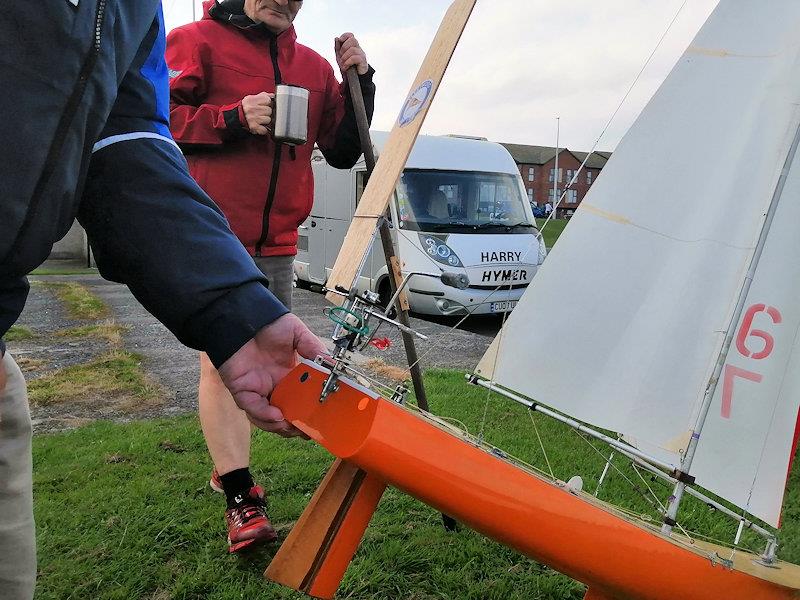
pixel 415 103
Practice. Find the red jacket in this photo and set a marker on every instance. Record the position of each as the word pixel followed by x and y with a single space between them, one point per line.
pixel 265 189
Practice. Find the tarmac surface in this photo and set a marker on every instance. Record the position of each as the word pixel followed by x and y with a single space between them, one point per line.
pixel 175 367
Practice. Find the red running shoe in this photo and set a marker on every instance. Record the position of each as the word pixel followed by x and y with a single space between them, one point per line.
pixel 248 523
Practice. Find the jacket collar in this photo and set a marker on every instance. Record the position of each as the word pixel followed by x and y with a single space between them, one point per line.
pixel 232 13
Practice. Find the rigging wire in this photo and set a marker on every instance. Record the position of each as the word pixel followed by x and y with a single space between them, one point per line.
pixel 614 114
pixel 766 438
pixel 494 368
pixel 661 504
pixel 526 253
pixel 551 216
pixel 654 501
pixel 439 338
pixel 541 444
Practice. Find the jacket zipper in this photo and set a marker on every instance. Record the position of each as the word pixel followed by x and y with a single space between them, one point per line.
pixel 276 160
pixel 65 122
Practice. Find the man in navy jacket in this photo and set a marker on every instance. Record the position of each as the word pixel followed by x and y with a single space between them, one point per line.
pixel 85 107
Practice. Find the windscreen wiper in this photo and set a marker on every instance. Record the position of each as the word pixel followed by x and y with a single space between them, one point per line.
pixel 506 226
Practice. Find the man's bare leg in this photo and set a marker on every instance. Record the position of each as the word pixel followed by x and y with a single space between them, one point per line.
pixel 225 425
pixel 227 433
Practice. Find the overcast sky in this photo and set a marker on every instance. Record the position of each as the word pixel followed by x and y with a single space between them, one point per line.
pixel 519 65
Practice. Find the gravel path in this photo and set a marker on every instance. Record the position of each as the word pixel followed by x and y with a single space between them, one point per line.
pixel 174 366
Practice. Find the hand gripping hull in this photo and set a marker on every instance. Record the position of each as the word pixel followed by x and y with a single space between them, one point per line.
pixel 615 556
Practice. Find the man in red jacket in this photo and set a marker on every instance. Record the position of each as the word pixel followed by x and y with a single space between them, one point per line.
pixel 223 73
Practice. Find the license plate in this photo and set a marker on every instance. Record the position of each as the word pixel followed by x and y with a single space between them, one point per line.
pixel 504 306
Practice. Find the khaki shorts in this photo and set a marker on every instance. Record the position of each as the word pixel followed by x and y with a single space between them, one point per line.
pixel 279 270
pixel 17 546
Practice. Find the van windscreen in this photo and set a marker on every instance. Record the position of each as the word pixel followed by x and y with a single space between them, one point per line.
pixel 460 201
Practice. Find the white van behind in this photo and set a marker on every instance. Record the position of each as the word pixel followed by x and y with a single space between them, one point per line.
pixel 460 207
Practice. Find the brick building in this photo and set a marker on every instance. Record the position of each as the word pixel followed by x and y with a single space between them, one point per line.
pixel 537 167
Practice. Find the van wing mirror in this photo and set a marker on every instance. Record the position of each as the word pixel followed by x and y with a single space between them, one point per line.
pixel 460 281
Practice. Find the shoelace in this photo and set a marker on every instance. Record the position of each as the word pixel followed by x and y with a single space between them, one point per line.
pixel 250 508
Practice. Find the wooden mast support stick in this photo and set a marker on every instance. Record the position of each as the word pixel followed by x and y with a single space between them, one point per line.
pixel 392 262
pixel 395 153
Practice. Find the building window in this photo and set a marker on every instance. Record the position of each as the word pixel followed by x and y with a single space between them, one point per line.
pixel 361 183
pixel 560 174
pixel 570 175
pixel 551 197
pixel 530 173
pixel 572 196
pixel 530 195
pixel 588 177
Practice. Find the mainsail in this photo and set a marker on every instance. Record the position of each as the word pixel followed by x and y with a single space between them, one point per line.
pixel 627 339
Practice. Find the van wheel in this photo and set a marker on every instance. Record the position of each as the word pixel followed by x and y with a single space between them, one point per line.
pixel 385 294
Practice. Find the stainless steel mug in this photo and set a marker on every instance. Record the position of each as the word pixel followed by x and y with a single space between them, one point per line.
pixel 291 115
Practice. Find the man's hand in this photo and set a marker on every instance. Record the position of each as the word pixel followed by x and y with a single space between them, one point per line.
pixel 252 373
pixel 349 53
pixel 258 112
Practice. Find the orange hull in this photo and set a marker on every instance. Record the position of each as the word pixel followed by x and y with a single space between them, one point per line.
pixel 617 558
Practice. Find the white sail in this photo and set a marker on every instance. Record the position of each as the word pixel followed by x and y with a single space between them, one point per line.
pixel 627 338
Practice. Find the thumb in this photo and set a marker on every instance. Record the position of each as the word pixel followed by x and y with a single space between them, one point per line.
pixel 307 344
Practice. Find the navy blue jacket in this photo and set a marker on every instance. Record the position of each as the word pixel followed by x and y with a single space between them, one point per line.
pixel 85 105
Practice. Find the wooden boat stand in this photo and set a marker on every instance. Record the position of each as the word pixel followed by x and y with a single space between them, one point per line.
pixel 318 550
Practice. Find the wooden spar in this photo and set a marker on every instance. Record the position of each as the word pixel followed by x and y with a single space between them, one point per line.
pixel 392 262
pixel 571 532
pixel 316 553
pixel 398 147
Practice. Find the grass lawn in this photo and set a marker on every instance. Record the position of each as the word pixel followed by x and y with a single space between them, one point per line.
pixel 552 231
pixel 116 373
pixel 19 332
pixel 125 511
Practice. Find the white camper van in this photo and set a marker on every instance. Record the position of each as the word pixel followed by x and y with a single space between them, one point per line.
pixel 460 207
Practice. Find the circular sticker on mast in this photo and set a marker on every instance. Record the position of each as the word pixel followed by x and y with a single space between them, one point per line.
pixel 415 103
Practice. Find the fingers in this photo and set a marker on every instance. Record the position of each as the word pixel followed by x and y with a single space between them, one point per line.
pixel 281 428
pixel 353 57
pixel 257 406
pixel 349 53
pixel 265 416
pixel 345 38
pixel 257 111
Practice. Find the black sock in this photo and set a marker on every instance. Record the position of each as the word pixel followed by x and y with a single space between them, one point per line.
pixel 237 485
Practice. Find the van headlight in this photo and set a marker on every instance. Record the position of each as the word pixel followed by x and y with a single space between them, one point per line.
pixel 439 251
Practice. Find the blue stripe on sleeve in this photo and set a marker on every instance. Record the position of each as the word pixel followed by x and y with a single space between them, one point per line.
pixel 155 71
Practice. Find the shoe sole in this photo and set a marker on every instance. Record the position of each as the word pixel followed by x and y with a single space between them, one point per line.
pixel 244 544
pixel 215 487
